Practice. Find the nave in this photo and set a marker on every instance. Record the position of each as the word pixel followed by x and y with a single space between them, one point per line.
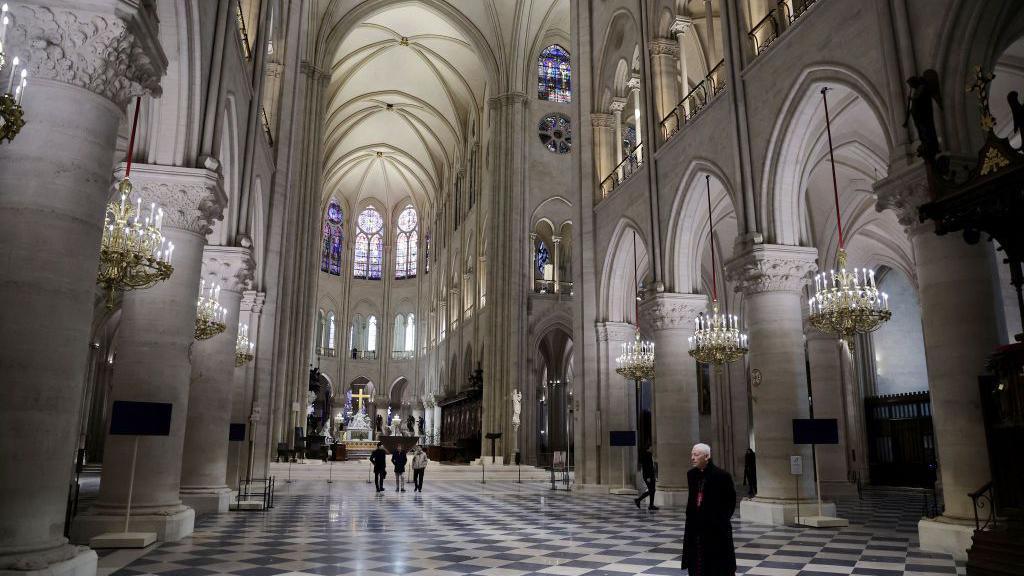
pixel 510 529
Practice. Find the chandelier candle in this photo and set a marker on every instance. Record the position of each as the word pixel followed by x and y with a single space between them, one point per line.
pixel 845 304
pixel 210 315
pixel 717 338
pixel 243 347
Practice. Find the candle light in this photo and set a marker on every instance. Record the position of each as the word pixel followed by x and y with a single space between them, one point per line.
pixel 6 21
pixel 10 79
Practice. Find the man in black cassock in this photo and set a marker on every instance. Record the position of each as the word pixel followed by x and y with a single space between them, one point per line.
pixel 707 541
pixel 379 459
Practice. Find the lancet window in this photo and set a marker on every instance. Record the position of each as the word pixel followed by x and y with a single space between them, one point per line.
pixel 554 75
pixel 369 247
pixel 331 237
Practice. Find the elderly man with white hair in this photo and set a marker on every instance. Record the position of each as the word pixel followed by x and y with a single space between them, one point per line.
pixel 707 541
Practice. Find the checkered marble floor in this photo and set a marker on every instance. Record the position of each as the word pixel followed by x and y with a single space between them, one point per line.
pixel 509 529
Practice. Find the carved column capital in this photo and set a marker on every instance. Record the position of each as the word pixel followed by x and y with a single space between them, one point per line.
pixel 601 120
pixel 507 99
pixel 602 332
pixel 619 331
pixel 633 83
pixel 681 25
pixel 771 268
pixel 664 47
pixel 253 301
pixel 903 191
pixel 618 105
pixel 192 198
pixel 671 311
pixel 108 47
pixel 231 267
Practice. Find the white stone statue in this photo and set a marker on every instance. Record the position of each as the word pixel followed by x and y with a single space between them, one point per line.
pixel 517 406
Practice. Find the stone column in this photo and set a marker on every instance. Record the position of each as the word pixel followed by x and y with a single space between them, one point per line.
pixel 84 64
pixel 670 317
pixel 709 21
pixel 204 458
pixel 664 67
pixel 679 29
pixel 245 406
pixel 772 277
pixel 827 358
pixel 153 362
pixel 617 106
pixel 556 258
pixel 604 132
pixel 958 314
pixel 634 94
pixel 618 407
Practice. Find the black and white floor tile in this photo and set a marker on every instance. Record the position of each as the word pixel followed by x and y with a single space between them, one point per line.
pixel 508 529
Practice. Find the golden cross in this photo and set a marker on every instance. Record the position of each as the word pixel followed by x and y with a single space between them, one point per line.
pixel 359 395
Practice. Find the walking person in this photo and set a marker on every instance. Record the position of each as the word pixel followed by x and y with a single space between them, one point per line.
pixel 379 458
pixel 750 473
pixel 399 459
pixel 707 540
pixel 649 471
pixel 419 466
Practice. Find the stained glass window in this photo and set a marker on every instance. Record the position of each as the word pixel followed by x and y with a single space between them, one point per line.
pixel 371 334
pixel 330 252
pixel 369 248
pixel 405 250
pixel 554 75
pixel 555 132
pixel 542 258
pixel 410 333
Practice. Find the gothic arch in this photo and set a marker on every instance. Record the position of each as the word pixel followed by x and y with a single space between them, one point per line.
pixel 617 289
pixel 688 226
pixel 781 209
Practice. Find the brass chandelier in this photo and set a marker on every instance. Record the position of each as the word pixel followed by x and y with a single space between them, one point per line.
pixel 717 338
pixel 636 362
pixel 11 113
pixel 845 303
pixel 210 315
pixel 133 253
pixel 243 347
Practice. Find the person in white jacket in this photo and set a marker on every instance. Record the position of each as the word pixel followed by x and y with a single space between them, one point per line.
pixel 419 466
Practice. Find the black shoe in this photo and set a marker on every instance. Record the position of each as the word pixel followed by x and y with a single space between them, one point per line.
pixel 653 507
pixel 637 502
pixel 403 489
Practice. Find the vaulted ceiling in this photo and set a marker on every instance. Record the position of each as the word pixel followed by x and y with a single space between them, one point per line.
pixel 408 85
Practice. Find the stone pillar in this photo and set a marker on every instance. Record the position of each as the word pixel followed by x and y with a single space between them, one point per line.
pixel 664 66
pixel 709 22
pixel 634 94
pixel 772 277
pixel 84 65
pixel 670 318
pixel 556 277
pixel 531 265
pixel 617 106
pixel 618 406
pixel 204 458
pixel 604 148
pixel 958 314
pixel 153 362
pixel 679 29
pixel 829 379
pixel 244 407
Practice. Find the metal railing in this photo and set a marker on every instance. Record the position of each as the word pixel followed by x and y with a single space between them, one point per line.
pixel 328 352
pixel 984 501
pixel 765 32
pixel 694 101
pixel 260 488
pixel 801 6
pixel 769 28
pixel 356 354
pixel 243 34
pixel 403 354
pixel 266 127
pixel 548 287
pixel 629 166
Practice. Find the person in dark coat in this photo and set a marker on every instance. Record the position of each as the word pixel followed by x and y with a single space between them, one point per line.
pixel 399 458
pixel 649 471
pixel 379 458
pixel 707 541
pixel 750 472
